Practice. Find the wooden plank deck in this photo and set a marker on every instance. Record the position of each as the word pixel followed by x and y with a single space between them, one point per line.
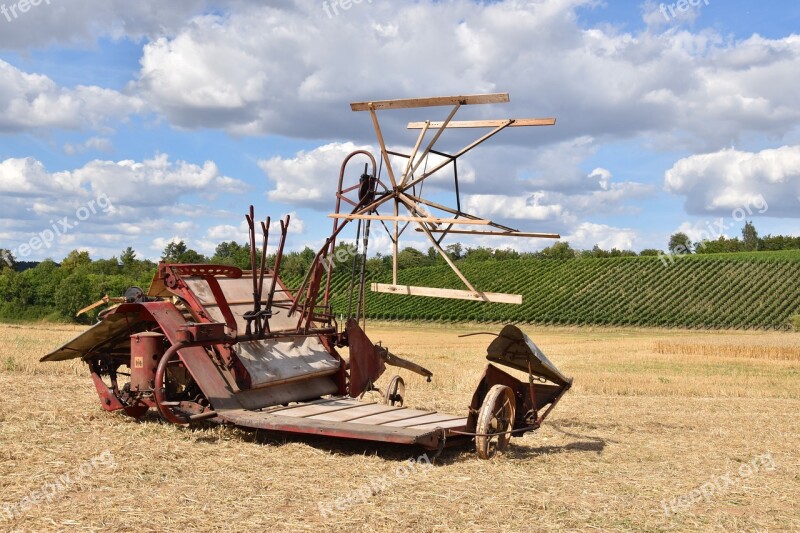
pixel 351 418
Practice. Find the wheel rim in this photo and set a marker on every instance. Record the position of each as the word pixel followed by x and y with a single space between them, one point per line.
pixel 395 392
pixel 495 421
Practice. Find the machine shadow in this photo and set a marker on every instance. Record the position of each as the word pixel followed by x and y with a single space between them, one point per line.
pixel 583 443
pixel 208 432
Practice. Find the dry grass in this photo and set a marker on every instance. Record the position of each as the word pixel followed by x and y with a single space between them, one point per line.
pixel 778 347
pixel 653 415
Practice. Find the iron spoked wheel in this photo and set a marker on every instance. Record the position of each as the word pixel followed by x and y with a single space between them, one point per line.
pixel 495 421
pixel 395 392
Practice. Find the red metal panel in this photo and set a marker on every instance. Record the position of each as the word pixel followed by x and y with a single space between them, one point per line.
pixel 366 366
pixel 146 349
pixel 207 375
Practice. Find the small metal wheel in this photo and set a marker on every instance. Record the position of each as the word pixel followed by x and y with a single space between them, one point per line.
pixel 495 420
pixel 395 392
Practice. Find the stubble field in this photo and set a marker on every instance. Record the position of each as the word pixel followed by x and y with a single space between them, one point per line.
pixel 663 430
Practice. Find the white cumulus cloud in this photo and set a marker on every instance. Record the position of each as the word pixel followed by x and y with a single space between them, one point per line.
pixel 760 183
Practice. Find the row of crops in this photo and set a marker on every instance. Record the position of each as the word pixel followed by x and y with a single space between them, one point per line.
pixel 717 292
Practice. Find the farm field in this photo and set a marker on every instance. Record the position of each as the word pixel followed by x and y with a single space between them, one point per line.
pixel 702 424
pixel 722 291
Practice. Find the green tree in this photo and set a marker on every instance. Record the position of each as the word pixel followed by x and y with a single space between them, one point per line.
pixel 679 243
pixel 779 242
pixel 108 267
pixel 44 280
pixel 234 254
pixel 379 264
pixel 411 257
pixel 192 257
pixel 560 250
pixel 308 255
pixel 178 252
pixel 479 254
pixel 128 258
pixel 75 259
pixel 650 252
pixel 598 252
pixel 173 251
pixel 621 253
pixel 454 250
pixel 74 293
pixel 721 245
pixel 506 254
pixel 749 237
pixel 296 264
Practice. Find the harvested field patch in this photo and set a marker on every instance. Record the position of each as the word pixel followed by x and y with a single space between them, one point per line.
pixel 639 428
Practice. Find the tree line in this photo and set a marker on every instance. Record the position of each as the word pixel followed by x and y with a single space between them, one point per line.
pixel 680 243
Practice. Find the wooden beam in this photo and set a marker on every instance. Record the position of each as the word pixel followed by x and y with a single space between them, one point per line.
pixel 395 240
pixel 499 233
pixel 406 172
pixel 439 249
pixel 382 144
pixel 408 103
pixel 495 297
pixel 517 123
pixel 428 148
pixel 417 200
pixel 404 218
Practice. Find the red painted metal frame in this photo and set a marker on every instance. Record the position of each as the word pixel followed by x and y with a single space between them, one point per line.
pixel 529 398
pixel 171 274
pixel 366 366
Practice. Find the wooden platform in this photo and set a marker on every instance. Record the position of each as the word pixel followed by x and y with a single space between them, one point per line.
pixel 351 418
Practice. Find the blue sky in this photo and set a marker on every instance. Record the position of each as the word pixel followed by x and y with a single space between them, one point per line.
pixel 178 117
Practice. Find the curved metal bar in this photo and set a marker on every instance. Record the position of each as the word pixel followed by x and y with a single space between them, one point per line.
pixel 332 243
pixel 159 392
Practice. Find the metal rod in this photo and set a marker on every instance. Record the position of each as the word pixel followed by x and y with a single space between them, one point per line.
pixel 339 196
pixel 362 286
pixel 277 267
pixel 261 269
pixel 461 152
pixel 353 275
pixel 453 211
pixel 252 232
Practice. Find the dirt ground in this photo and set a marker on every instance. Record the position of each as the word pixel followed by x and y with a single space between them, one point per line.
pixel 662 431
